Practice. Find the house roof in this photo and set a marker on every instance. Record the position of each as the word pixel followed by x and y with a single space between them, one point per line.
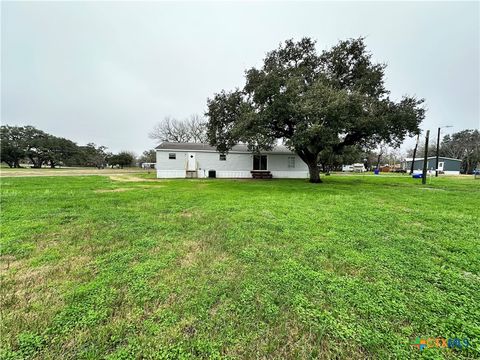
pixel 420 158
pixel 240 148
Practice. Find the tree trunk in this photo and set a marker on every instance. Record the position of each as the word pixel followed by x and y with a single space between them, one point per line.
pixel 378 160
pixel 311 160
pixel 37 164
pixel 314 173
pixel 468 166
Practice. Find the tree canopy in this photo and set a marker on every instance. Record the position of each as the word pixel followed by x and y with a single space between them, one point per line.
pixel 20 143
pixel 464 145
pixel 192 129
pixel 148 156
pixel 123 158
pixel 91 155
pixel 313 103
pixel 14 145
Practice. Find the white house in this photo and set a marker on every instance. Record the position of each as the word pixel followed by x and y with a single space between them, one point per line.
pixel 186 160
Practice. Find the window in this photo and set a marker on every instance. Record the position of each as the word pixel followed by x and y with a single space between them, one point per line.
pixel 172 156
pixel 259 162
pixel 291 161
pixel 223 157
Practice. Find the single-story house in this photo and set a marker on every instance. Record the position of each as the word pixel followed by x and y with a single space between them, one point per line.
pixel 448 166
pixel 197 160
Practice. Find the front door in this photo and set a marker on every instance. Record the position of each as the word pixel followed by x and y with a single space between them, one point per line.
pixel 440 165
pixel 259 162
pixel 191 162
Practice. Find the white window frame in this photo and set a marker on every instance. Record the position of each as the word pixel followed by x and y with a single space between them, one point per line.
pixel 224 157
pixel 291 162
pixel 172 156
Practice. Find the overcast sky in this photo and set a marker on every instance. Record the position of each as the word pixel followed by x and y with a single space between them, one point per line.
pixel 106 72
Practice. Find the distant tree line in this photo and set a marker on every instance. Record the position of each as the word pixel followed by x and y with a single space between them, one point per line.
pixel 26 144
pixel 463 145
pixel 148 156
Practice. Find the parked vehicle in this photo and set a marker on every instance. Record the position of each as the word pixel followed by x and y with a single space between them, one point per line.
pixel 358 167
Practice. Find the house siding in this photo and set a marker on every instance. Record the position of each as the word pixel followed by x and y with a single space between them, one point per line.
pixel 236 165
pixel 450 166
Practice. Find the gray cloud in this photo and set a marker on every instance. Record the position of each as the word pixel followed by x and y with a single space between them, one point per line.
pixel 106 72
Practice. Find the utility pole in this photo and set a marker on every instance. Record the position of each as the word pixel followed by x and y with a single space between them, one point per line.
pixel 438 148
pixel 425 159
pixel 414 154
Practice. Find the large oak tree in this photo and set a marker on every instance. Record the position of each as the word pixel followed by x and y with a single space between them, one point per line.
pixel 313 103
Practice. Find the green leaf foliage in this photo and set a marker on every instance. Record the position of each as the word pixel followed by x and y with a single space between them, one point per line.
pixel 313 102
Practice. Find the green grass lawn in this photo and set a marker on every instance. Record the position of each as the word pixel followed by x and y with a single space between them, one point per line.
pixel 354 268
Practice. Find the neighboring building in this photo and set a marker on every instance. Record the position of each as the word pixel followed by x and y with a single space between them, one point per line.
pixel 186 160
pixel 357 167
pixel 446 165
pixel 148 165
pixel 385 168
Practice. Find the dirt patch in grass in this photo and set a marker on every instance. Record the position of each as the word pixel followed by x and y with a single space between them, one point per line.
pixel 8 262
pixel 27 275
pixel 28 172
pixel 129 178
pixel 186 214
pixel 201 253
pixel 34 295
pixel 100 191
pixel 193 249
pixel 34 275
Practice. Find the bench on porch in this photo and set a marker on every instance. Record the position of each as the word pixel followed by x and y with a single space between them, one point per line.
pixel 261 174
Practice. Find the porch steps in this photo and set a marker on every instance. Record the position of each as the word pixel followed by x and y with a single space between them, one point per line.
pixel 192 174
pixel 261 174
